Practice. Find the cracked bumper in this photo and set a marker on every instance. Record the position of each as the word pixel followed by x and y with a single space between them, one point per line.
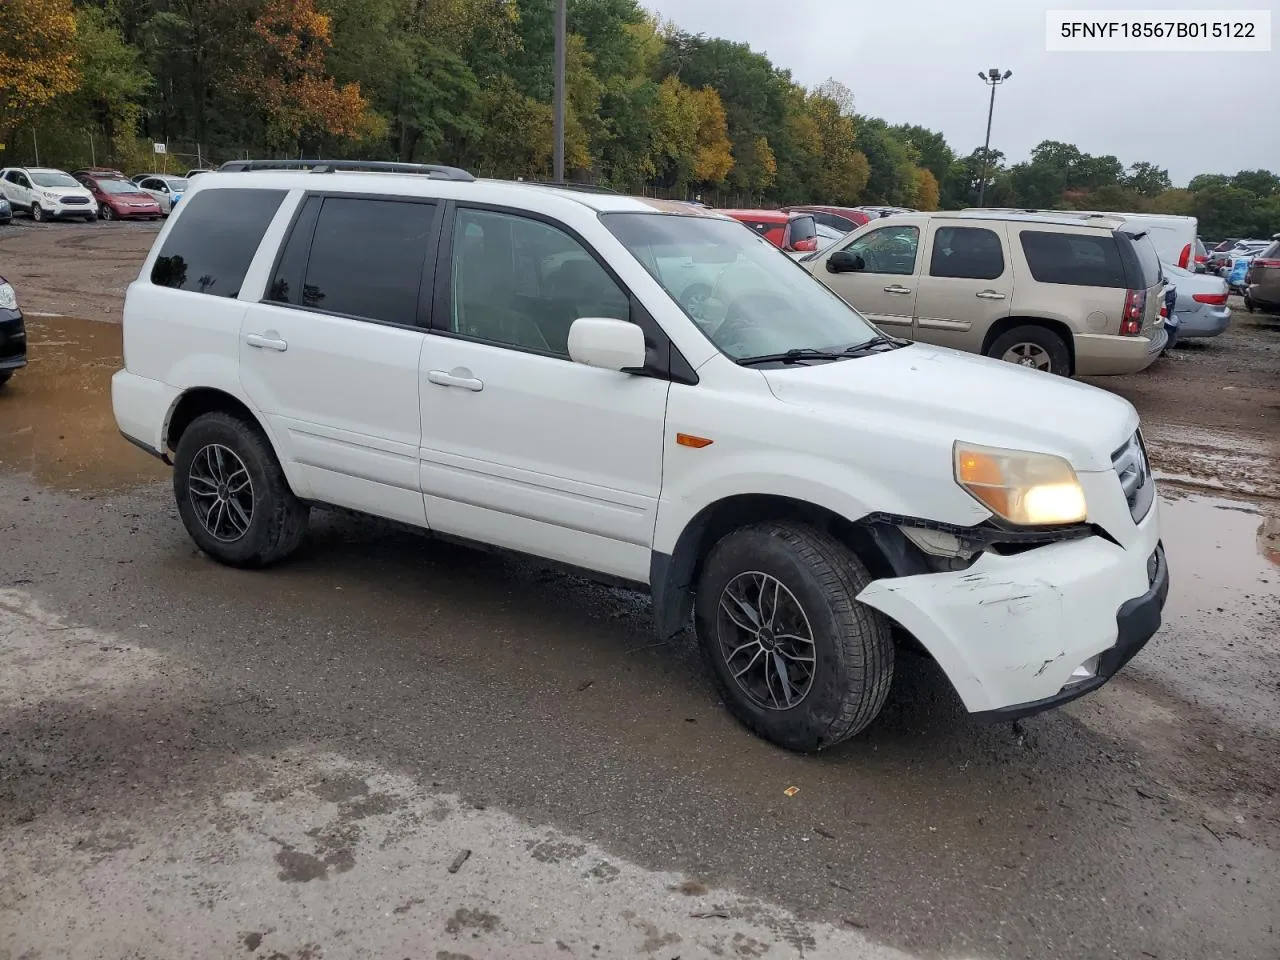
pixel 1010 630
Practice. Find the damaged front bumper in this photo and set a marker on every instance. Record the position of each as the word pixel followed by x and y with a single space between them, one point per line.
pixel 1028 632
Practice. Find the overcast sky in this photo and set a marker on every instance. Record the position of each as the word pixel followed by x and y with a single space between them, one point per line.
pixel 916 61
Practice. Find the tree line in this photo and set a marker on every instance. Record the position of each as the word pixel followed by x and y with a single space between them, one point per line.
pixel 650 108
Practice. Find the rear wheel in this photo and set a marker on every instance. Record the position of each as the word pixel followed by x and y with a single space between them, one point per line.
pixel 1033 346
pixel 232 494
pixel 5 376
pixel 795 656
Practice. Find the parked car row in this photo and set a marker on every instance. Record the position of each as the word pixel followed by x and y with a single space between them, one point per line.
pixel 44 193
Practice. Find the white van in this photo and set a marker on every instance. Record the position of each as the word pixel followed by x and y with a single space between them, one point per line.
pixel 1175 237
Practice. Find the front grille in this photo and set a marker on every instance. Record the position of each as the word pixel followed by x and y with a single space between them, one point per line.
pixel 75 200
pixel 1134 471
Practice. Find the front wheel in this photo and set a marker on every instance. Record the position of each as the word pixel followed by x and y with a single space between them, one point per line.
pixel 232 494
pixel 107 213
pixel 796 657
pixel 37 213
pixel 1035 347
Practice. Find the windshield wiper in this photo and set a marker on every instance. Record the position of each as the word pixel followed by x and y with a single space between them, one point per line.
pixel 793 356
pixel 879 340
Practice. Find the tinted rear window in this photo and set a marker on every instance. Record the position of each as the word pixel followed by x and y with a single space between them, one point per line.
pixel 1080 260
pixel 803 228
pixel 367 258
pixel 214 239
pixel 972 253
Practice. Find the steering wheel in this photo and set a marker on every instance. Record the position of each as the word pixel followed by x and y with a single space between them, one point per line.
pixel 871 260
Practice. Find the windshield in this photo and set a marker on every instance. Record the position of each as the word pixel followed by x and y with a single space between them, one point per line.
pixel 749 298
pixel 176 184
pixel 53 179
pixel 117 186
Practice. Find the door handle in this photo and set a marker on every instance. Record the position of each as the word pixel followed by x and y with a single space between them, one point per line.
pixel 989 295
pixel 896 288
pixel 266 343
pixel 447 379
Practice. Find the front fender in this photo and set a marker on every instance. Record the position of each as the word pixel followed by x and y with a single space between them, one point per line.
pixel 834 486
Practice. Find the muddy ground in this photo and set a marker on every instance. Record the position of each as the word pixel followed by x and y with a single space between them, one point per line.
pixel 201 762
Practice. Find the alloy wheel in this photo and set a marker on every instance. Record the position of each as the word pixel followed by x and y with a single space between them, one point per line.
pixel 221 492
pixel 766 641
pixel 1029 355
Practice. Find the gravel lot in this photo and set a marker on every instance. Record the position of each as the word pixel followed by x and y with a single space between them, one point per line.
pixel 201 762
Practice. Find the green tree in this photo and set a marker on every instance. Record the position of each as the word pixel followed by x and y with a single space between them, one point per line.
pixel 1147 179
pixel 891 173
pixel 931 148
pixel 1261 183
pixel 1204 180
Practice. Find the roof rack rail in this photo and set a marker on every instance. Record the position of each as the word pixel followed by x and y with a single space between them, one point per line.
pixel 433 170
pixel 570 185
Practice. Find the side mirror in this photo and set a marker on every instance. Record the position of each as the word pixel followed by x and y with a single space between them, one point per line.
pixel 606 343
pixel 842 261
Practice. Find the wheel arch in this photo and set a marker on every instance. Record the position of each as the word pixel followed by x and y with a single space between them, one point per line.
pixel 883 548
pixel 1059 327
pixel 198 401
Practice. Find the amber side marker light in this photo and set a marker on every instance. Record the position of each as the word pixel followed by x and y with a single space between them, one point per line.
pixel 689 440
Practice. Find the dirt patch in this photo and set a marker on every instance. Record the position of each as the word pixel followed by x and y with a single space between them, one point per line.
pixel 74 269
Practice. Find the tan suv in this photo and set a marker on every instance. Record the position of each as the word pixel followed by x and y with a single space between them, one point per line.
pixel 1057 293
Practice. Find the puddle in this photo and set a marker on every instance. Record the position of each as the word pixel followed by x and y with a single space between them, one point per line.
pixel 56 423
pixel 1221 552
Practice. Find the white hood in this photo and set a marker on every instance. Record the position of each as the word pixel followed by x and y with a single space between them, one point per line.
pixel 968 397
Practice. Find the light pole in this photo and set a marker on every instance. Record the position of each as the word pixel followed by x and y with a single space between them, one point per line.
pixel 558 132
pixel 993 78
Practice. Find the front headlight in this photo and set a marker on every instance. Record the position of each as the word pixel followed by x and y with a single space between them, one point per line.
pixel 8 299
pixel 1029 489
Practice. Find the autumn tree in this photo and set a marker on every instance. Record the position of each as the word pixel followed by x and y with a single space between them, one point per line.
pixel 842 170
pixel 925 190
pixel 287 77
pixel 37 57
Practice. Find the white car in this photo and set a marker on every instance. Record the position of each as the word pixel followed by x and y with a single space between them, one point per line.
pixel 508 364
pixel 47 194
pixel 166 190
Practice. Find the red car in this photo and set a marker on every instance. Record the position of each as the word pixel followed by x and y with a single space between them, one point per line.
pixel 792 232
pixel 119 199
pixel 844 219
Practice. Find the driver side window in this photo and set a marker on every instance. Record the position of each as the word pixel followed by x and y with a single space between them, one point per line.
pixel 888 250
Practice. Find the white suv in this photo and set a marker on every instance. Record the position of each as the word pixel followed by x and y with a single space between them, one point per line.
pixel 510 364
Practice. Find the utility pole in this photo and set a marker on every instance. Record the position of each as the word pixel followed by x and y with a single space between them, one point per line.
pixel 992 78
pixel 560 95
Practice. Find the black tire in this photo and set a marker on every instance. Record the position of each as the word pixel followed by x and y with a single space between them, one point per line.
pixel 1035 343
pixel 5 376
pixel 37 213
pixel 277 520
pixel 852 649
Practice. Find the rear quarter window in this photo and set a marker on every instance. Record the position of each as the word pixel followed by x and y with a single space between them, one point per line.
pixel 1148 259
pixel 1080 260
pixel 214 240
pixel 803 228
